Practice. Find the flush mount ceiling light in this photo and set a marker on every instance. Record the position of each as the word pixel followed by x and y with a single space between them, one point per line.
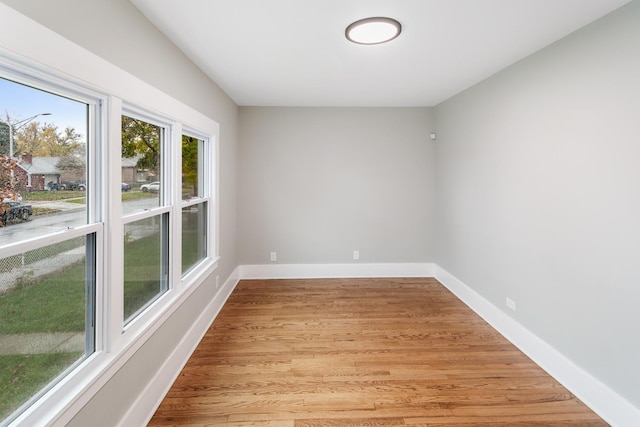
pixel 373 30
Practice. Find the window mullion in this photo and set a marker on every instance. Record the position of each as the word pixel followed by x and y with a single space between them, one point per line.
pixel 175 247
pixel 114 276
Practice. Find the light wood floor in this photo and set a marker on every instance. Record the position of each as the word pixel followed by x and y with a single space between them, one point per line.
pixel 364 352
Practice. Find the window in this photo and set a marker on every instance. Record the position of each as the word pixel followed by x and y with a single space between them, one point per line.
pixel 91 258
pixel 48 241
pixel 146 214
pixel 194 202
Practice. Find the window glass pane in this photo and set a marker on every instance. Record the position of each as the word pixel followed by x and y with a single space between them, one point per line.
pixel 141 165
pixel 192 154
pixel 43 161
pixel 145 262
pixel 194 233
pixel 45 325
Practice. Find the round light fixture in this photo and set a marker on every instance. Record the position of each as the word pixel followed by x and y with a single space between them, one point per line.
pixel 373 30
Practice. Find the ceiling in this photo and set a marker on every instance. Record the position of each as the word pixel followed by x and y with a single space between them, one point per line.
pixel 294 52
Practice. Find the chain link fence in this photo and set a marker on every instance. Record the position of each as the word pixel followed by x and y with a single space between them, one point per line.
pixel 29 267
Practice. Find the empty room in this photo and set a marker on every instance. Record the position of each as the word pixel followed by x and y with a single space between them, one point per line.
pixel 319 213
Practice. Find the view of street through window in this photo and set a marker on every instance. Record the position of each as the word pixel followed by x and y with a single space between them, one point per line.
pixel 48 234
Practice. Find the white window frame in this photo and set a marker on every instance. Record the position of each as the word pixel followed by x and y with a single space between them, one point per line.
pixel 39 60
pixel 209 164
pixel 166 200
pixel 16 71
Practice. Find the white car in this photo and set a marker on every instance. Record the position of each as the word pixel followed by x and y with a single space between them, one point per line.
pixel 152 186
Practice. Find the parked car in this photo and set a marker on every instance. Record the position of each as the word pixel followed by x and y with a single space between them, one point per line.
pixel 15 210
pixel 73 185
pixel 152 186
pixel 125 187
pixel 52 186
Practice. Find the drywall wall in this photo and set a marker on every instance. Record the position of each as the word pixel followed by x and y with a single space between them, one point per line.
pixel 318 183
pixel 538 195
pixel 116 31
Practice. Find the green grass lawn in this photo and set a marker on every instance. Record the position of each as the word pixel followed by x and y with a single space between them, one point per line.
pixel 79 197
pixel 43 211
pixel 191 253
pixel 142 273
pixel 79 200
pixel 135 195
pixel 22 376
pixel 36 196
pixel 55 304
pixel 130 195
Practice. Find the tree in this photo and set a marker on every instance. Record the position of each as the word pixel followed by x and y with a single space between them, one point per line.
pixel 141 139
pixel 5 137
pixel 10 186
pixel 71 166
pixel 190 163
pixel 44 140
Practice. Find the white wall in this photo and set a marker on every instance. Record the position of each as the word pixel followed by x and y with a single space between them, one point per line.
pixel 538 195
pixel 318 183
pixel 117 32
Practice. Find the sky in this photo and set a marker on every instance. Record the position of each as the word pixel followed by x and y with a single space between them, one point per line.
pixel 22 102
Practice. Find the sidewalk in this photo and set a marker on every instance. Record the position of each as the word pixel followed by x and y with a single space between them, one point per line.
pixel 41 343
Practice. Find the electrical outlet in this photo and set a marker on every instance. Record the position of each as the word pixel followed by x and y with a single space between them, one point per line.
pixel 356 254
pixel 274 256
pixel 511 304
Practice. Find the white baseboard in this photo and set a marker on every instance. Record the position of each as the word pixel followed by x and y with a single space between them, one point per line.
pixel 609 405
pixel 326 271
pixel 142 410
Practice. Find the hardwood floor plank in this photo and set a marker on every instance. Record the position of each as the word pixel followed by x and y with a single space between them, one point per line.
pixel 344 422
pixel 360 352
